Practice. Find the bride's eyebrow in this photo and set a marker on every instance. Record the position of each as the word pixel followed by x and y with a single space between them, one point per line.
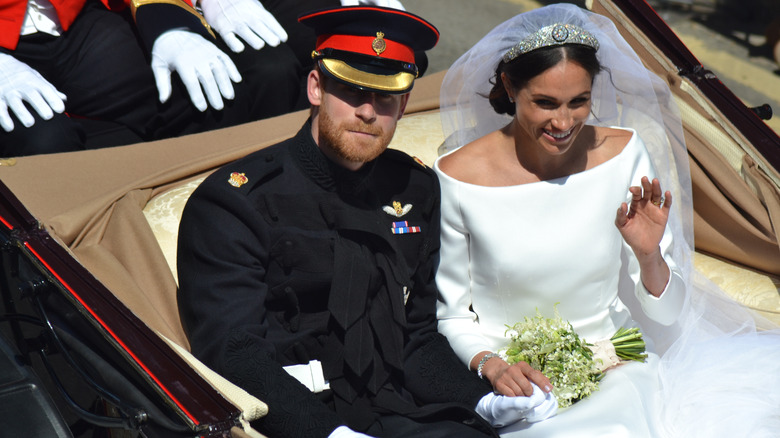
pixel 542 96
pixel 536 96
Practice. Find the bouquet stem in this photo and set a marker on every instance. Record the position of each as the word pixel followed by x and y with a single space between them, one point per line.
pixel 629 344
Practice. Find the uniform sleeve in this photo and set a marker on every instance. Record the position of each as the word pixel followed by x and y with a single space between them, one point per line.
pixel 666 308
pixel 439 376
pixel 222 259
pixel 155 17
pixel 456 319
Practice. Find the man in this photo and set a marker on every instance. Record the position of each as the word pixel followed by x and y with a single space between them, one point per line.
pixel 307 268
pixel 85 74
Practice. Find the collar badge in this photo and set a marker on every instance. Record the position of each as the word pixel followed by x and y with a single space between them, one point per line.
pixel 238 179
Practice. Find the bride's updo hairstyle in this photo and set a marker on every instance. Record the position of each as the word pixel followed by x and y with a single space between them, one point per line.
pixel 520 70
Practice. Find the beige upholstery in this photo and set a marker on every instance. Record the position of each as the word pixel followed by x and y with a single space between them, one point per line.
pixel 163 213
pixel 756 290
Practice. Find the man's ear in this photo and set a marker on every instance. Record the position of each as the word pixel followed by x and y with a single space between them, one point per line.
pixel 314 88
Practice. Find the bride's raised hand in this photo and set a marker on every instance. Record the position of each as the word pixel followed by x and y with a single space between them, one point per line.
pixel 642 222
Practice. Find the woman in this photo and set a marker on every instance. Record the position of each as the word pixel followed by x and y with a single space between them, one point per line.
pixel 560 126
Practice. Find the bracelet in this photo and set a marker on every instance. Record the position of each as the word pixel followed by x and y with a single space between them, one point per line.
pixel 483 361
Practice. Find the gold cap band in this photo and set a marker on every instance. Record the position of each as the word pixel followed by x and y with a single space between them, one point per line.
pixel 399 82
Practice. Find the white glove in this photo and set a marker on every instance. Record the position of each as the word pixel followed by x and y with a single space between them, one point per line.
pixel 345 432
pixel 384 3
pixel 19 83
pixel 500 410
pixel 199 63
pixel 245 18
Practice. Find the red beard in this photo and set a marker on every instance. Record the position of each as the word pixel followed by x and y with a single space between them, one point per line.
pixel 346 146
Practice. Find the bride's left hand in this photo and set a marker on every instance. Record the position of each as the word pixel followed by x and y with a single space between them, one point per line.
pixel 642 223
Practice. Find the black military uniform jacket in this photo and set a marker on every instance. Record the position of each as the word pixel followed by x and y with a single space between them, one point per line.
pixel 285 257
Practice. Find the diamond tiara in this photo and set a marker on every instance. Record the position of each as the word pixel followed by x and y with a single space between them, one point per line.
pixel 552 35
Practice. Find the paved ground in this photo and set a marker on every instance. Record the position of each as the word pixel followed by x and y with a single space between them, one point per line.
pixel 727 36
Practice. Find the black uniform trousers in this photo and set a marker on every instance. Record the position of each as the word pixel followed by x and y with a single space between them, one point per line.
pixel 101 65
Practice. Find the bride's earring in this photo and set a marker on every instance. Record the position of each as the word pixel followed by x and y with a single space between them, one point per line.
pixel 507 89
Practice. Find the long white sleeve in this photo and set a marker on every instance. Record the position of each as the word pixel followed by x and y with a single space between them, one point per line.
pixel 456 319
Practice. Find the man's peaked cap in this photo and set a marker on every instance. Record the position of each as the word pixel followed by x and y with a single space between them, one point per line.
pixel 368 47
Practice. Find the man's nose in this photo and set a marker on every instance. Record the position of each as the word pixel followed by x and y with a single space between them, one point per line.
pixel 366 109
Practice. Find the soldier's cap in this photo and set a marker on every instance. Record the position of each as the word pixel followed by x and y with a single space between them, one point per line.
pixel 369 47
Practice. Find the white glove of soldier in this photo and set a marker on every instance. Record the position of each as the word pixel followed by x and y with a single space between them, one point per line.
pixel 245 18
pixel 199 63
pixel 19 83
pixel 345 432
pixel 500 410
pixel 385 3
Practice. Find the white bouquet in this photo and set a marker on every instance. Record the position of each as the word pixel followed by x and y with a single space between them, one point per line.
pixel 551 346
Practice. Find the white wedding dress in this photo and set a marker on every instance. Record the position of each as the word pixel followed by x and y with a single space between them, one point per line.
pixel 508 251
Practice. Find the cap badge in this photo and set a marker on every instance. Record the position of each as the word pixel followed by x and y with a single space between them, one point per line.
pixel 238 179
pixel 379 44
pixel 397 210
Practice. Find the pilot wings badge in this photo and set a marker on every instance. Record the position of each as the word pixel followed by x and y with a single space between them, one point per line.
pixel 397 209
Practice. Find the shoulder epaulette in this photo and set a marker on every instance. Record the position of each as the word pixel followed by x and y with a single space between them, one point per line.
pixel 403 157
